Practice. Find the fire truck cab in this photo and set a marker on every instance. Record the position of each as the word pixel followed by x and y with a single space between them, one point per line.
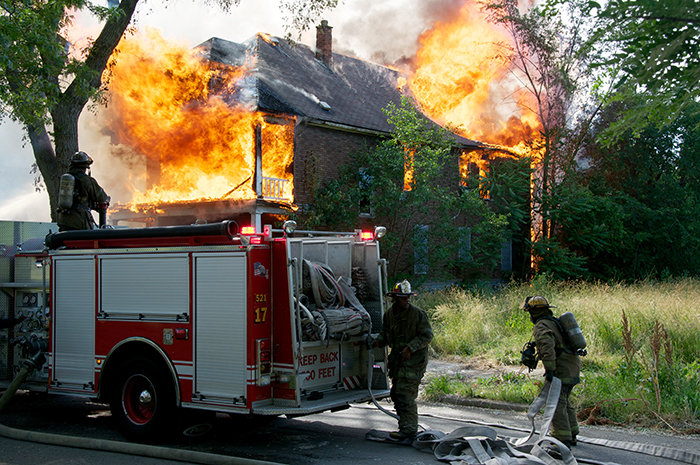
pixel 212 318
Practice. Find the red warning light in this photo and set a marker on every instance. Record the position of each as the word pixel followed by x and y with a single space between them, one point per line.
pixel 366 236
pixel 248 230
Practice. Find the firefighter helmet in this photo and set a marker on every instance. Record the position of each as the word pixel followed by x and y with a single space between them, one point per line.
pixel 535 302
pixel 81 158
pixel 401 289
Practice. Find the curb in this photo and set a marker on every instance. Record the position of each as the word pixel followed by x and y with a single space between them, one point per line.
pixel 482 403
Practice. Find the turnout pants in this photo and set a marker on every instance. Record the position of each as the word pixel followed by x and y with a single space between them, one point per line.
pixel 564 423
pixel 403 394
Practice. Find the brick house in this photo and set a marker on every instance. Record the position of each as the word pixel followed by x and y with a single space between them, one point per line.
pixel 331 103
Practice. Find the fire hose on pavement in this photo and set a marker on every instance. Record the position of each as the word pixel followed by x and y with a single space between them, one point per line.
pixel 469 441
pixel 481 444
pixel 104 445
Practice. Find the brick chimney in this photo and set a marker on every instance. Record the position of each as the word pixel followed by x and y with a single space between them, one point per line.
pixel 324 43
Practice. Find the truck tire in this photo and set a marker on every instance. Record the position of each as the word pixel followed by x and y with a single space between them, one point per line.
pixel 143 401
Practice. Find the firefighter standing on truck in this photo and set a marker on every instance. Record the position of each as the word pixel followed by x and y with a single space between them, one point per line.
pixel 406 330
pixel 76 201
pixel 558 361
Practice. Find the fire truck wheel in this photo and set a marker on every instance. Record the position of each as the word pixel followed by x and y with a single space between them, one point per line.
pixel 143 402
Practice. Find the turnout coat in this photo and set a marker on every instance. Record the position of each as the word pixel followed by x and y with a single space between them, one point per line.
pixel 406 328
pixel 553 352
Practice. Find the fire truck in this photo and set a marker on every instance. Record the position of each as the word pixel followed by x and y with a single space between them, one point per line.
pixel 163 321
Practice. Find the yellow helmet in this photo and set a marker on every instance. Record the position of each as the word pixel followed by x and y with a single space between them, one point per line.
pixel 534 302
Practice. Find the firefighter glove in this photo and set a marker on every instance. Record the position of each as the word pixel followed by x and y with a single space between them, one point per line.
pixel 548 375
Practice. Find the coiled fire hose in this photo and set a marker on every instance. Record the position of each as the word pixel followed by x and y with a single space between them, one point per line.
pixel 104 445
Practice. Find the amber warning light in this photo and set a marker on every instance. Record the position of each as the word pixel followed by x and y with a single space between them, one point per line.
pixel 248 230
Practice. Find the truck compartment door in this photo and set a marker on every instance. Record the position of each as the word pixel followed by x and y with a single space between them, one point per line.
pixel 144 287
pixel 220 328
pixel 74 323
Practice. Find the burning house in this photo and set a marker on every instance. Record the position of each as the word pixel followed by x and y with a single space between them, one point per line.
pixel 285 118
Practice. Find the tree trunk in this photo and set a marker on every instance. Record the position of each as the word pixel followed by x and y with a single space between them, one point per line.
pixel 52 162
pixel 48 166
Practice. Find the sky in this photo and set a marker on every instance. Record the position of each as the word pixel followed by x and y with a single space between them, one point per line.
pixel 382 31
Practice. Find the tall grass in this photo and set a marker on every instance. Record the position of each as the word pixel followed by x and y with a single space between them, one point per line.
pixel 643 339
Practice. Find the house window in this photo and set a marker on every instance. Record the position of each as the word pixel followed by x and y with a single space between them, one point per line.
pixel 420 249
pixel 365 184
pixel 473 167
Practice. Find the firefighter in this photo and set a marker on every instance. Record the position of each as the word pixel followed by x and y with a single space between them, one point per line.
pixel 88 195
pixel 558 361
pixel 406 330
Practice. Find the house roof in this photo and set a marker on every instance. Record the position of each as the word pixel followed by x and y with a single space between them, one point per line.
pixel 288 78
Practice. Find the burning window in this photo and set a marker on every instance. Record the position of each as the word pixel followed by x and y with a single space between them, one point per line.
pixel 408 170
pixel 190 121
pixel 473 167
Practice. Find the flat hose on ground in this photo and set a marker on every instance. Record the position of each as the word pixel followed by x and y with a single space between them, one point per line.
pixel 104 445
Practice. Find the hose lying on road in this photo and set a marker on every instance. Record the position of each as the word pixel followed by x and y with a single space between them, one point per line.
pixel 106 445
pixel 646 449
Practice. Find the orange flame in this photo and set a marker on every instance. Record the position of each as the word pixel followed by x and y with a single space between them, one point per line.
pixel 462 79
pixel 179 113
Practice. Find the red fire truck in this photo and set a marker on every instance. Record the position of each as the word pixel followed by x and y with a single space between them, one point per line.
pixel 164 320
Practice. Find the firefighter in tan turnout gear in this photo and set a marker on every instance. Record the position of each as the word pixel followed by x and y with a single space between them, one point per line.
pixel 79 193
pixel 406 330
pixel 559 361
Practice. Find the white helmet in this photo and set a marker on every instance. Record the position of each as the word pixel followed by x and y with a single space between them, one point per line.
pixel 402 288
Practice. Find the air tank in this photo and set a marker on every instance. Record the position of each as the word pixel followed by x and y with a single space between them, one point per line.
pixel 65 192
pixel 572 330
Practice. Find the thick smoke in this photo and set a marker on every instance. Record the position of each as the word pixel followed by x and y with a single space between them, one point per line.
pixel 386 32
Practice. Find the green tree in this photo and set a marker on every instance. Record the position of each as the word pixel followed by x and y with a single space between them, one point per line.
pixel 430 220
pixel 655 52
pixel 45 89
pixel 648 180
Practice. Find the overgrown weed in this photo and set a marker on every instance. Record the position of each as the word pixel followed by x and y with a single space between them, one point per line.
pixel 643 345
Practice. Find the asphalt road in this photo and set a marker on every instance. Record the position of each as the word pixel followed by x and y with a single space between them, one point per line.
pixel 337 438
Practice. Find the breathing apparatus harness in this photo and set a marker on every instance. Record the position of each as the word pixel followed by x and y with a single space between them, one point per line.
pixel 529 356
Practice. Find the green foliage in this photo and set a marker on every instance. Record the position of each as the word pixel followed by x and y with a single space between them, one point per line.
pixel 648 189
pixel 654 50
pixel 34 57
pixel 508 387
pixel 438 387
pixel 508 184
pixel 375 179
